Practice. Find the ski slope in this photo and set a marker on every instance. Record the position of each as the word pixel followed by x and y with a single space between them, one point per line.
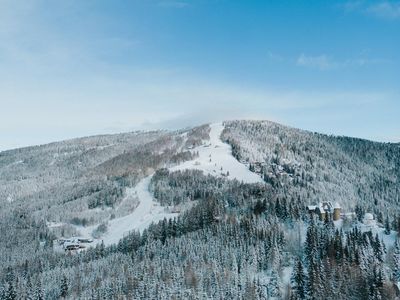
pixel 214 158
pixel 146 212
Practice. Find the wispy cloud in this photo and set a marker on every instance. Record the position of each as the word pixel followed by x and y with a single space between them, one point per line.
pixel 163 99
pixel 351 6
pixel 386 10
pixel 389 10
pixel 325 62
pixel 322 62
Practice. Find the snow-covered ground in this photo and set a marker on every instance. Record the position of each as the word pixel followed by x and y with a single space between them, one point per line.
pixel 388 239
pixel 145 213
pixel 215 158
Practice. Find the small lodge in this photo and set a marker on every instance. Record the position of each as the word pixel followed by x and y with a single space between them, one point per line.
pixel 324 208
pixel 71 246
pixel 74 243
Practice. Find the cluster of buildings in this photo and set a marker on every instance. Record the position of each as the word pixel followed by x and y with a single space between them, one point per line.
pixel 335 213
pixel 326 208
pixel 74 243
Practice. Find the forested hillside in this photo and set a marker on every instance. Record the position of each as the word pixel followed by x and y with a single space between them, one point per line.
pixel 353 172
pixel 65 184
pixel 228 238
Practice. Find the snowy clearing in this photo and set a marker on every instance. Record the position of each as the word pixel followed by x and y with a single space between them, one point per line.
pixel 146 212
pixel 215 158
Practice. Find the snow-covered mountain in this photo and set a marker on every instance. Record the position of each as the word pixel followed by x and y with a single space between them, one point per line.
pixel 217 211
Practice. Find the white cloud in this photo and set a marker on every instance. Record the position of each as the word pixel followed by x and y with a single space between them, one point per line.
pixel 351 6
pixel 389 10
pixel 159 99
pixel 325 62
pixel 322 62
pixel 385 10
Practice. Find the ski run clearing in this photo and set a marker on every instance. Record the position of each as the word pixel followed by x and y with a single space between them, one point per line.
pixel 147 212
pixel 214 158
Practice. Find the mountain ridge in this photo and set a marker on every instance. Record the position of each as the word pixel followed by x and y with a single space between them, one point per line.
pixel 123 133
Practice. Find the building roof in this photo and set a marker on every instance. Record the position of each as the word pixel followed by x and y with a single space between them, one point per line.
pixel 368 216
pixel 323 207
pixel 69 244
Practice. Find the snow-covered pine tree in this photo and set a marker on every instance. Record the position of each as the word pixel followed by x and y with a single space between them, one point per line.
pixel 396 261
pixel 298 281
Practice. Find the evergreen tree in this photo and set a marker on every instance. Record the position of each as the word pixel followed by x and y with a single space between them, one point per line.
pixel 64 287
pixel 274 285
pixel 39 291
pixel 311 241
pixel 378 248
pixel 396 261
pixel 387 226
pixel 10 292
pixel 298 281
pixel 30 295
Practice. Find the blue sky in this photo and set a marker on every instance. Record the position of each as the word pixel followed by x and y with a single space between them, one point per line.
pixel 75 68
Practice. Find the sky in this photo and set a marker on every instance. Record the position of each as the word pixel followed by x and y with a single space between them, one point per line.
pixel 76 68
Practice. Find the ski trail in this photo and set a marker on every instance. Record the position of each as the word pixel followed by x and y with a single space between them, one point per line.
pixel 216 159
pixel 147 212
